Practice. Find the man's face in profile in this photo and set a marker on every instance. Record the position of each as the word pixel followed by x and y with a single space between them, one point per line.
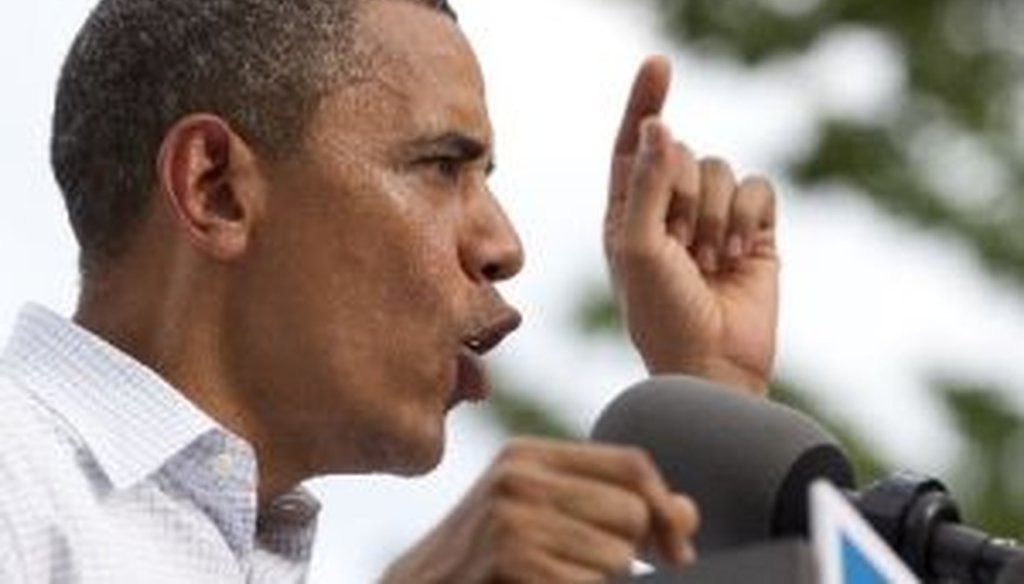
pixel 374 279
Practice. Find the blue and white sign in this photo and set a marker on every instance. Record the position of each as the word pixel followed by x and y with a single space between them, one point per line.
pixel 848 550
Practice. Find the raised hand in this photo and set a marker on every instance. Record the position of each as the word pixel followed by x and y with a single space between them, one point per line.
pixel 691 249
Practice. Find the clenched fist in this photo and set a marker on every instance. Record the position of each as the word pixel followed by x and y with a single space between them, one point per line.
pixel 554 512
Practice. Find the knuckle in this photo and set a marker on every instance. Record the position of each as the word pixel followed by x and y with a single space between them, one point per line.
pixel 715 168
pixel 638 518
pixel 610 555
pixel 653 159
pixel 513 530
pixel 519 448
pixel 711 224
pixel 637 462
pixel 685 198
pixel 511 480
pixel 711 229
pixel 758 201
pixel 506 519
pixel 690 515
pixel 759 183
pixel 682 520
pixel 620 558
pixel 683 151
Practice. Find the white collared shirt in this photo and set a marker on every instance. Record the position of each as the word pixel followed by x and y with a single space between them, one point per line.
pixel 109 475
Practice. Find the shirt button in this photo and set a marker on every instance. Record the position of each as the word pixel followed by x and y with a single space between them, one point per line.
pixel 222 464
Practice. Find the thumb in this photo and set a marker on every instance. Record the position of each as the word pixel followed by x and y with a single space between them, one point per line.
pixel 650 186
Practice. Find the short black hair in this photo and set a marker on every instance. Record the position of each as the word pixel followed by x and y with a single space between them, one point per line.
pixel 138 66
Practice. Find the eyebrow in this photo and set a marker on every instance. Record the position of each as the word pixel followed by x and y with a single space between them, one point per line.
pixel 458 145
pixel 441 6
pixel 446 8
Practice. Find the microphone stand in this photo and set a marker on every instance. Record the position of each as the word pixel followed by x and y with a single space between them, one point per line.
pixel 919 518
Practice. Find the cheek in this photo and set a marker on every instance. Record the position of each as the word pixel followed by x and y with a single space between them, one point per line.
pixel 420 281
pixel 416 245
pixel 377 264
pixel 399 274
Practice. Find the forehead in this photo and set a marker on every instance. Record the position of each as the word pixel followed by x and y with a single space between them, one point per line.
pixel 424 76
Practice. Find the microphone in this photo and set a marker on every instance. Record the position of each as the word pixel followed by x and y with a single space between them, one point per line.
pixel 1013 573
pixel 748 463
pixel 745 460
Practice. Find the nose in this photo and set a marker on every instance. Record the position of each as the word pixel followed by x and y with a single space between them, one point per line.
pixel 490 250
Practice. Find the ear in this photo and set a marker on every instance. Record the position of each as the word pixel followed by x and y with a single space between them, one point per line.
pixel 209 176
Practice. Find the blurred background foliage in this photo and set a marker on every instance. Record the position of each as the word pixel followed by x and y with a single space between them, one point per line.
pixel 946 156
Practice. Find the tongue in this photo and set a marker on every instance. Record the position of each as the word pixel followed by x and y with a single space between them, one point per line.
pixel 471 383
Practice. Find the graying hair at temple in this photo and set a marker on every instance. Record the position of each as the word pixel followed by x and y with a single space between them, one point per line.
pixel 138 66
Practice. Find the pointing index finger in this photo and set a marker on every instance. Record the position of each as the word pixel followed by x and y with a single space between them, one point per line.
pixel 650 88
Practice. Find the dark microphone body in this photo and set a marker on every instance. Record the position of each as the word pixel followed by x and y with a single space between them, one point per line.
pixel 748 463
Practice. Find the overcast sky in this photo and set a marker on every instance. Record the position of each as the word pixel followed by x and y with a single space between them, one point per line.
pixel 869 307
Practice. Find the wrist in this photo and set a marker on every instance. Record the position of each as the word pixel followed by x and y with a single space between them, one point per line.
pixel 718 370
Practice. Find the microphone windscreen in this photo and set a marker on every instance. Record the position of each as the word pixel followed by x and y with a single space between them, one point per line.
pixel 745 460
pixel 1012 573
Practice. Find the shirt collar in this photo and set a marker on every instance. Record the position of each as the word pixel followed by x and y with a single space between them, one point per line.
pixel 131 420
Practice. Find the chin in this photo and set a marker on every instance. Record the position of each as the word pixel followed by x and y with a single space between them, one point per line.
pixel 418 464
pixel 417 469
pixel 409 455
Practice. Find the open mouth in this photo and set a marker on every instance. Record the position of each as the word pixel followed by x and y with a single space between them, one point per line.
pixel 472 383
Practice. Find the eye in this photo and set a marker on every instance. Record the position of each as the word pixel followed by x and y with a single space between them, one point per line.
pixel 447 167
pixel 443 167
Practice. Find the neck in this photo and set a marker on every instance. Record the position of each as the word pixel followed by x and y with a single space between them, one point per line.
pixel 174 322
